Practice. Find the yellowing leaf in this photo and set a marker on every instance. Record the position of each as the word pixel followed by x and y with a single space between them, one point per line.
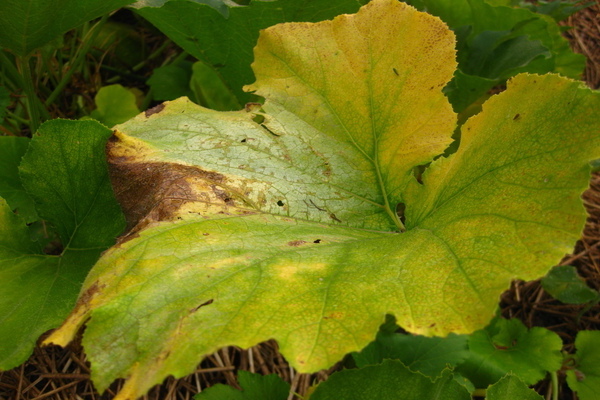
pixel 280 223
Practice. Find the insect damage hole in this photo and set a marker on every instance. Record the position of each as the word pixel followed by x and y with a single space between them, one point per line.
pixel 193 310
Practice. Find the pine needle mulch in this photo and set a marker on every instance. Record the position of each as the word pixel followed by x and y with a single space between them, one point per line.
pixel 54 373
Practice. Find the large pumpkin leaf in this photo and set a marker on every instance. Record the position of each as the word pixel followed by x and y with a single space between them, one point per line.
pixel 222 34
pixel 29 24
pixel 66 175
pixel 246 229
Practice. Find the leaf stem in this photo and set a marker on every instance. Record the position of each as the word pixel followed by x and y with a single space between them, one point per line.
pixel 479 393
pixel 391 213
pixel 554 377
pixel 23 64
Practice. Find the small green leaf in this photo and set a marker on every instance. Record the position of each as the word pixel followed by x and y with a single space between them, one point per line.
pixel 254 386
pixel 508 346
pixel 419 353
pixel 390 380
pixel 115 104
pixel 12 150
pixel 584 377
pixel 65 172
pixel 510 387
pixel 564 284
pixel 171 81
pixel 29 24
pixel 210 91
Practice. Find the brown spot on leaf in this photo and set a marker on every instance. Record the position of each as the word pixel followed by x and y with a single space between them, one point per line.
pixel 334 315
pixel 154 110
pixel 296 243
pixel 251 107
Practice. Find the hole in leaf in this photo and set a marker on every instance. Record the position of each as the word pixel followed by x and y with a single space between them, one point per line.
pixel 400 208
pixel 193 310
pixel 317 241
pixel 259 119
pixel 418 173
pixel 243 140
pixel 280 203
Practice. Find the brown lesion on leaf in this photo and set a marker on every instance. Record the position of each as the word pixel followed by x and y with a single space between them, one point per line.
pixel 156 191
pixel 296 243
pixel 154 110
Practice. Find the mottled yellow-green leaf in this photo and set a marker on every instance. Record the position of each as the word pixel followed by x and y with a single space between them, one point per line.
pixel 279 221
pixel 371 81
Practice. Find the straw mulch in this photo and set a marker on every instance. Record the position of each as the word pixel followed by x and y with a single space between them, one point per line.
pixel 54 373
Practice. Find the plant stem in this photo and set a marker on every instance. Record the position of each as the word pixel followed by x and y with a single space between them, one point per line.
pixel 479 393
pixel 32 100
pixel 87 41
pixel 12 73
pixel 154 54
pixel 554 377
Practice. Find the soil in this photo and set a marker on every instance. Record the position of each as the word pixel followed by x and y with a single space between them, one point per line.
pixel 54 373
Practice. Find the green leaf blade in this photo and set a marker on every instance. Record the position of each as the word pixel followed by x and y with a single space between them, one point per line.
pixel 70 183
pixel 511 387
pixel 564 284
pixel 29 24
pixel 506 346
pixel 584 378
pixel 12 150
pixel 65 172
pixel 389 380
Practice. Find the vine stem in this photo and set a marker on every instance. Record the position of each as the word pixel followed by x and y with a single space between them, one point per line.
pixel 554 377
pixel 23 64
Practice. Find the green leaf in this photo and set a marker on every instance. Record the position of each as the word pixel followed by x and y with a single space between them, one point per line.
pixel 64 171
pixel 497 42
pixel 419 353
pixel 223 37
pixel 584 377
pixel 12 150
pixel 115 104
pixel 281 223
pixel 507 346
pixel 171 81
pixel 254 386
pixel 564 284
pixel 389 380
pixel 510 387
pixel 210 91
pixel 29 24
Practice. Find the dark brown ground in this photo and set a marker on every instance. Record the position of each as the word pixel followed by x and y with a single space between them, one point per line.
pixel 54 373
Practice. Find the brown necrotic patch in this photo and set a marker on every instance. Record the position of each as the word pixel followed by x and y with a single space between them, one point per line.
pixel 156 191
pixel 154 110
